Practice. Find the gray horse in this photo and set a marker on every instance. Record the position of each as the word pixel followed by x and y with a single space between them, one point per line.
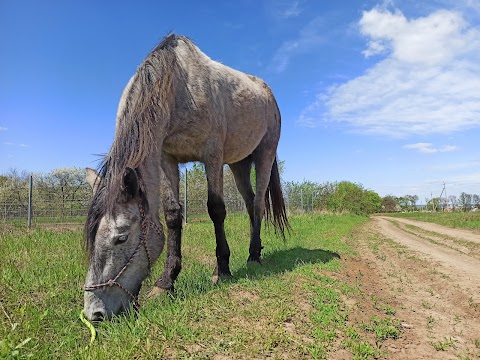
pixel 180 106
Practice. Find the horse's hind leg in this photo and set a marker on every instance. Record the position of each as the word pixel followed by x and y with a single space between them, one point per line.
pixel 241 172
pixel 263 156
pixel 173 219
pixel 217 212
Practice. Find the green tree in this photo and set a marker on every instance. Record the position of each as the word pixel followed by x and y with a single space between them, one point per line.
pixel 453 201
pixel 353 198
pixel 63 191
pixel 413 202
pixel 476 201
pixel 434 204
pixel 390 204
pixel 373 202
pixel 196 187
pixel 465 201
pixel 305 195
pixel 14 192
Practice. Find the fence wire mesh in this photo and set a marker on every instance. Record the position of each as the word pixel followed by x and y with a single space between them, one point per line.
pixel 70 204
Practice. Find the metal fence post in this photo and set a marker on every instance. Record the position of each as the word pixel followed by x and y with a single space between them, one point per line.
pixel 186 197
pixel 30 188
pixel 288 201
pixel 301 198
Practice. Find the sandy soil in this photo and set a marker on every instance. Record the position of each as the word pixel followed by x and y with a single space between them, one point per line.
pixel 430 275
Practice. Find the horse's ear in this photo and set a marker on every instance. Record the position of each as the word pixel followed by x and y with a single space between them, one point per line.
pixel 93 179
pixel 130 185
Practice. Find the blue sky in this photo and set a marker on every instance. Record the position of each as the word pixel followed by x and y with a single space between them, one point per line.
pixel 382 93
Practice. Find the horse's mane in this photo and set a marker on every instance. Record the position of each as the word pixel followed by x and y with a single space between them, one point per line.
pixel 148 100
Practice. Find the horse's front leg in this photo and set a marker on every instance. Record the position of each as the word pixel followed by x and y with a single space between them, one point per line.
pixel 217 212
pixel 173 218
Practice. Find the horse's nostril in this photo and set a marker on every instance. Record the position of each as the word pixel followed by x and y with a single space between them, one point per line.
pixel 98 315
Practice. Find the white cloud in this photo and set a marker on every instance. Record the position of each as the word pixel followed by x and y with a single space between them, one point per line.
pixel 13 144
pixel 284 9
pixel 471 4
pixel 427 81
pixel 456 184
pixel 293 10
pixel 3 129
pixel 432 40
pixel 472 179
pixel 427 148
pixel 308 39
pixel 454 167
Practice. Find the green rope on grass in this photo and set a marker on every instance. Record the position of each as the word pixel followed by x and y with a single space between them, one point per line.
pixel 93 332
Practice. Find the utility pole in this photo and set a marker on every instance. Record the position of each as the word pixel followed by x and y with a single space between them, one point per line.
pixel 440 198
pixel 444 188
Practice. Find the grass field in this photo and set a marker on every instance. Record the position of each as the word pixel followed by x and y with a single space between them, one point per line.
pixel 289 306
pixel 461 220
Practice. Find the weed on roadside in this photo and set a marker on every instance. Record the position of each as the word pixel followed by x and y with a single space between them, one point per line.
pixel 444 345
pixel 426 305
pixel 430 322
pixel 389 310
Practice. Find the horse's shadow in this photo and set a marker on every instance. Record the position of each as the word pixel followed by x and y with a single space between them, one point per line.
pixel 198 281
pixel 278 262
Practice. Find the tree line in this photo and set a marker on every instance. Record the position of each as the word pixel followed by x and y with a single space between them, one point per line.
pixel 61 193
pixel 338 197
pixel 464 202
pixel 64 192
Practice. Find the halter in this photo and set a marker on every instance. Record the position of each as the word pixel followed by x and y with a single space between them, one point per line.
pixel 146 225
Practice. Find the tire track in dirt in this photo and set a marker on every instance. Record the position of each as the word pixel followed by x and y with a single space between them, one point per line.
pixel 461 234
pixel 463 269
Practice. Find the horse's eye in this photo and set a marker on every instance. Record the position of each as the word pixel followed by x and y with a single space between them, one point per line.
pixel 121 239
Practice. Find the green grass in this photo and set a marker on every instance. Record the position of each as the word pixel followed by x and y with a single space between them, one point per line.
pixel 287 305
pixel 461 220
pixel 360 349
pixel 383 328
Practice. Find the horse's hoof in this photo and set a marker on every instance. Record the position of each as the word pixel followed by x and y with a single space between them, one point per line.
pixel 156 292
pixel 218 278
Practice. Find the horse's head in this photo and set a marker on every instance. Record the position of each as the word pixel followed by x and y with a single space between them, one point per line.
pixel 123 241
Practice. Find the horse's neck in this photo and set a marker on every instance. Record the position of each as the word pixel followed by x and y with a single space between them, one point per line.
pixel 150 170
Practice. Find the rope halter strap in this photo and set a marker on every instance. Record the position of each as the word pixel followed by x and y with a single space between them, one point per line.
pixel 146 225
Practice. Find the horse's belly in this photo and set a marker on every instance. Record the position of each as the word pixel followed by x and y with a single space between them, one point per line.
pixel 200 139
pixel 184 148
pixel 238 146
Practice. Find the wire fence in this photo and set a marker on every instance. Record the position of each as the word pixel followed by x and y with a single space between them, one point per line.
pixel 70 205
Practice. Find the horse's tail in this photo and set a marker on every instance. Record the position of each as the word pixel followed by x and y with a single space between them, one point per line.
pixel 276 208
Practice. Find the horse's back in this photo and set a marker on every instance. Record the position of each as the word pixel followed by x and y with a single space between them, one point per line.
pixel 219 108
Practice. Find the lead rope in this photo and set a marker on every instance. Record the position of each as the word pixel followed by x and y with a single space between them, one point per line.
pixel 146 225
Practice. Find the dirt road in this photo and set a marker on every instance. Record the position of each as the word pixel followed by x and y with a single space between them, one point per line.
pixel 454 251
pixel 430 275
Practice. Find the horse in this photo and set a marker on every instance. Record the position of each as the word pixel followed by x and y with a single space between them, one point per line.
pixel 180 106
